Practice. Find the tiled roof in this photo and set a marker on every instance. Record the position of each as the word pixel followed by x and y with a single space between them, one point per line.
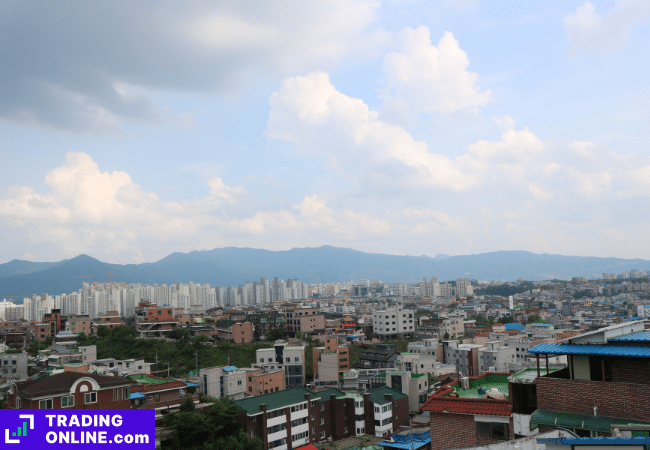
pixel 275 400
pixel 468 406
pixel 62 382
pixel 643 336
pixel 591 349
pixel 377 395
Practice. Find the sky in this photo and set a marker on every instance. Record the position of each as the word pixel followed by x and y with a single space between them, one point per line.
pixel 131 130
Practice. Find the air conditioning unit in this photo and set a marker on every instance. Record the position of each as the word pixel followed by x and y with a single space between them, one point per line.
pixel 464 383
pixel 492 369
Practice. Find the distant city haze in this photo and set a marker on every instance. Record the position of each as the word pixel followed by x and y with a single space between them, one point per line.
pixel 236 266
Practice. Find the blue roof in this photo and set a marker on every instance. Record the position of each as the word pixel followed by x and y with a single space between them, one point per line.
pixel 584 349
pixel 643 336
pixel 515 326
pixel 136 395
pixel 403 441
pixel 229 369
pixel 191 385
pixel 595 441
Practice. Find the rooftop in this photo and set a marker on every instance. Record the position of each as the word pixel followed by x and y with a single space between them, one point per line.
pixel 643 336
pixel 142 378
pixel 585 349
pixel 528 375
pixel 478 387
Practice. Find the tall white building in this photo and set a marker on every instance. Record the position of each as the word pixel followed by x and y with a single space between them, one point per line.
pixel 393 322
pixel 464 287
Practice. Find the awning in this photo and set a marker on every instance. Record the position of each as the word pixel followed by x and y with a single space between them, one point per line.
pixel 582 421
pixel 135 395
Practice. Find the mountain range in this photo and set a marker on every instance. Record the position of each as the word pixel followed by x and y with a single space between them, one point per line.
pixel 233 266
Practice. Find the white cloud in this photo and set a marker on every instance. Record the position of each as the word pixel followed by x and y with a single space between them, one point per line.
pixel 590 31
pixel 429 78
pixel 326 123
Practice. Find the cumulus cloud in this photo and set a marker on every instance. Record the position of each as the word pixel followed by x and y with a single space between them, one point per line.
pixel 590 31
pixel 87 67
pixel 429 78
pixel 325 123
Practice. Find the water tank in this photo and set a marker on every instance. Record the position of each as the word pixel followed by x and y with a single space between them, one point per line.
pixel 464 383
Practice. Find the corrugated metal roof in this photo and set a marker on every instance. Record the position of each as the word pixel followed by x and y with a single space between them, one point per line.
pixel 595 441
pixel 643 336
pixel 229 369
pixel 586 349
pixel 515 326
pixel 582 421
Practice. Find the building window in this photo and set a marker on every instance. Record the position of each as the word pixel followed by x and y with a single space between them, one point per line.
pixel 322 407
pixel 322 421
pixel 67 402
pixel 322 434
pixel 45 404
pixel 91 397
pixel 492 431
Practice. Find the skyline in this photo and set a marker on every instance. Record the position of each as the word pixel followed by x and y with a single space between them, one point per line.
pixel 129 132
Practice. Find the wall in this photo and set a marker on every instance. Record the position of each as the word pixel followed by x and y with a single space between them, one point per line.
pixel 457 431
pixel 624 400
pixel 581 367
pixel 242 333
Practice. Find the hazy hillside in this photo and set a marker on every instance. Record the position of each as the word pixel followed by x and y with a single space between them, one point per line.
pixel 234 266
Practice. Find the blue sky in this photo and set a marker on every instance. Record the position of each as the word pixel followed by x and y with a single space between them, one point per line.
pixel 131 131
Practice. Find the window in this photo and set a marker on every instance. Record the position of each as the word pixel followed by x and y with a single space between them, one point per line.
pixel 322 407
pixel 45 404
pixel 67 402
pixel 493 431
pixel 238 382
pixel 253 434
pixel 313 416
pixel 297 360
pixel 91 397
pixel 322 421
pixel 322 434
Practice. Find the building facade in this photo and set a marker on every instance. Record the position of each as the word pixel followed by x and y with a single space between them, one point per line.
pixel 393 323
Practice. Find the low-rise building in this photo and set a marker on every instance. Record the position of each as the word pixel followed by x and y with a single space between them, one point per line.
pixel 382 356
pixel 393 322
pixel 305 320
pixel 159 393
pixel 289 358
pixel 297 416
pixel 222 381
pixel 330 362
pixel 71 390
pixel 260 382
pixel 13 366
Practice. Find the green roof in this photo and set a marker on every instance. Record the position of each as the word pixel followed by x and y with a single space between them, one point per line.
pixel 380 375
pixel 377 395
pixel 417 375
pixel 488 381
pixel 582 421
pixel 325 395
pixel 140 378
pixel 275 400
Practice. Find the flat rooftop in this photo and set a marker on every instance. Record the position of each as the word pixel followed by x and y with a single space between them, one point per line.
pixel 485 383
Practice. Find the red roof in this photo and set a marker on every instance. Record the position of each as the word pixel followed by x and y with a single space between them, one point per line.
pixel 307 447
pixel 469 406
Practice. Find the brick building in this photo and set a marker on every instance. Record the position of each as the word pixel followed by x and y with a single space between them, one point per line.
pixel 242 333
pixel 151 320
pixel 304 320
pixel 152 392
pixel 297 416
pixel 607 381
pixel 54 320
pixel 79 324
pixel 260 382
pixel 460 416
pixel 71 390
pixel 111 320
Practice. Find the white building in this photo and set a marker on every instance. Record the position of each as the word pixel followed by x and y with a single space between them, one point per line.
pixel 464 287
pixel 223 381
pixel 291 359
pixel 393 322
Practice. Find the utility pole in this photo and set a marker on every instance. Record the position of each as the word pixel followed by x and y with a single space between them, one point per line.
pixel 168 369
pixel 197 362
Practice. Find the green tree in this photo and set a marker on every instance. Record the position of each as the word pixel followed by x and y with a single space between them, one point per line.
pixel 535 319
pixel 187 405
pixel 505 320
pixel 274 335
pixel 103 331
pixel 218 428
pixel 179 333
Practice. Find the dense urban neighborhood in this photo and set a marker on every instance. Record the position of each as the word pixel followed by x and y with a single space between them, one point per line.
pixel 282 364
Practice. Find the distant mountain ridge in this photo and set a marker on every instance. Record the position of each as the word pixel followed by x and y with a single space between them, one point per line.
pixel 232 266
